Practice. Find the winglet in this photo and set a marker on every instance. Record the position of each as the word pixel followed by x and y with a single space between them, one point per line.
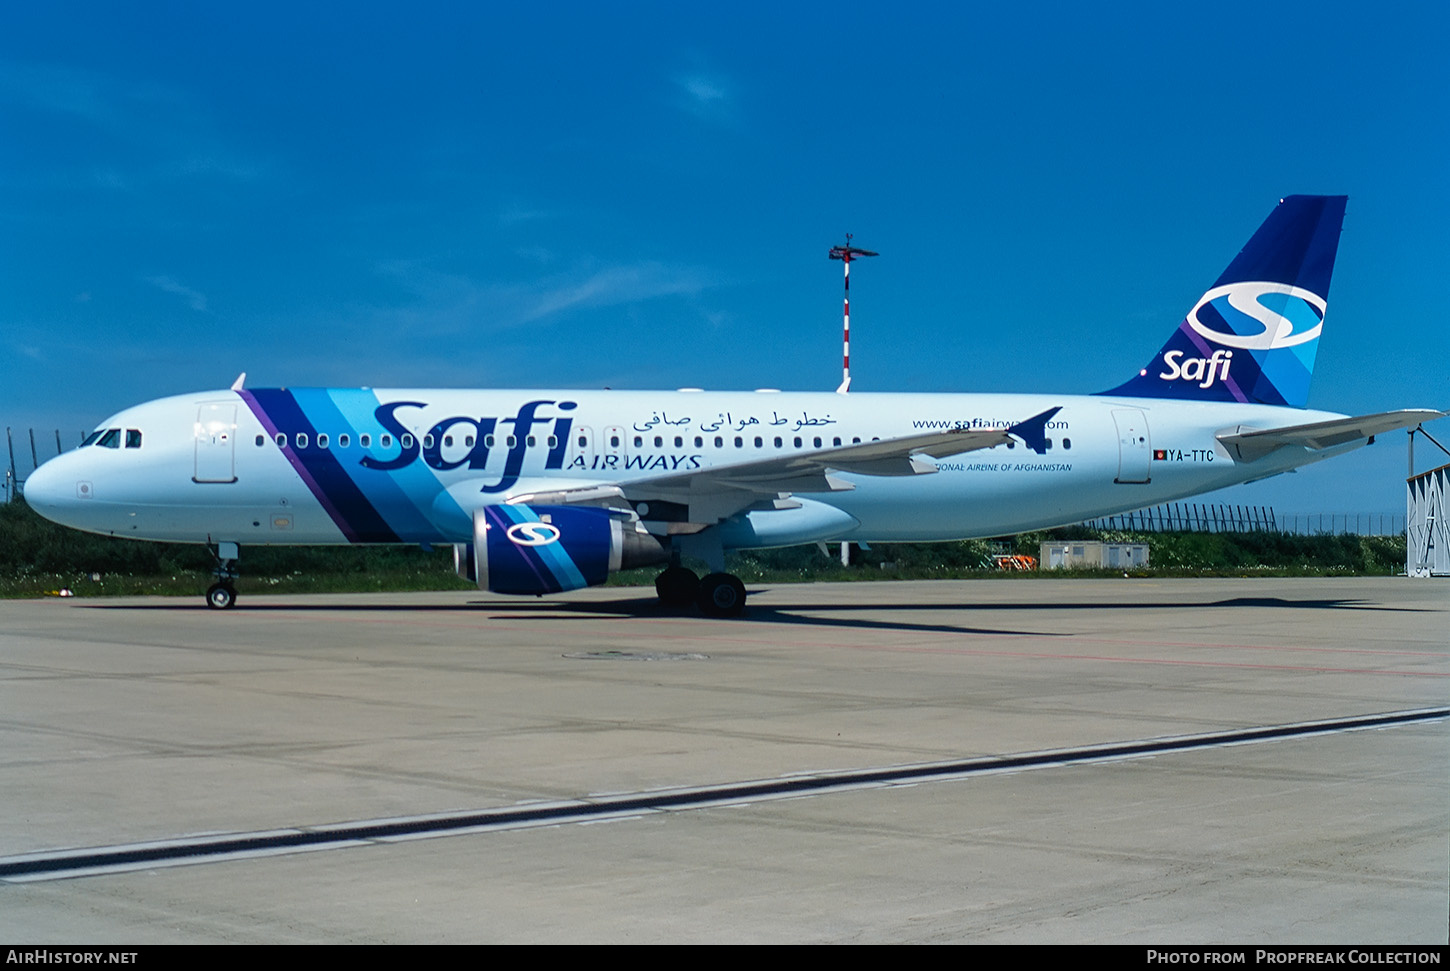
pixel 241 380
pixel 1033 431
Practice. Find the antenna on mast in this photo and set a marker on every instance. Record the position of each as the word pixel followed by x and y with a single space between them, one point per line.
pixel 846 254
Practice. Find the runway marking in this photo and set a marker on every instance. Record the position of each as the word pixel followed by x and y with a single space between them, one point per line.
pixel 212 848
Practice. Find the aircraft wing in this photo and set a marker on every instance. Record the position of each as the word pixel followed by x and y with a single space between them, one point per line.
pixel 707 496
pixel 1249 444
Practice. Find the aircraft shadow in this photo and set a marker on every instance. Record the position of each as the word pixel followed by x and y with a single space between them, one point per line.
pixel 882 615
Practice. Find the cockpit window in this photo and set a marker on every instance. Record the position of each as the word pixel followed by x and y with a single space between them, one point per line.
pixel 133 438
pixel 111 439
pixel 91 438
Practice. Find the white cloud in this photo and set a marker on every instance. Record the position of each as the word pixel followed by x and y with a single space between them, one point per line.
pixel 453 303
pixel 616 285
pixel 194 298
pixel 516 214
pixel 706 96
pixel 173 130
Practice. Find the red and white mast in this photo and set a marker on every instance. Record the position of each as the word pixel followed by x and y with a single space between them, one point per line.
pixel 846 254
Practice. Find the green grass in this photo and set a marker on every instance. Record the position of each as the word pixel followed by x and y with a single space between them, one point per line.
pixel 39 558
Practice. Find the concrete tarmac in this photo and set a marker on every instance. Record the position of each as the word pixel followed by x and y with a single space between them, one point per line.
pixel 126 721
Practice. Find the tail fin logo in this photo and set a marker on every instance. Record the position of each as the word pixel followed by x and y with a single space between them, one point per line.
pixel 1258 316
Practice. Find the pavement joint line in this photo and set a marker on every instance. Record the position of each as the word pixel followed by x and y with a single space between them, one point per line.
pixel 217 847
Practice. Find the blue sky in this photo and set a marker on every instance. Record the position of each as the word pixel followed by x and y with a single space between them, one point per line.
pixel 642 195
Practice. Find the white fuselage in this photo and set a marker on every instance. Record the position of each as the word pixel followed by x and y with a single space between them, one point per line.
pixel 412 465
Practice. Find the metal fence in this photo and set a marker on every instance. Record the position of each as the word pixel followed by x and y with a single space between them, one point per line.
pixel 1192 517
pixel 35 448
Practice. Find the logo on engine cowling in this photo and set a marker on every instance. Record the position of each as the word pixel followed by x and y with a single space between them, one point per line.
pixel 1283 315
pixel 532 534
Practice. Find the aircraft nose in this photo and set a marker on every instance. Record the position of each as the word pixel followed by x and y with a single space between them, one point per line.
pixel 53 489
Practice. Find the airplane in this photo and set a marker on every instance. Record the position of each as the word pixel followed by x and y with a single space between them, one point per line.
pixel 542 491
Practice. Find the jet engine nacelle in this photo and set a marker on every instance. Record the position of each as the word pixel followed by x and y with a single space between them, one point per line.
pixel 546 549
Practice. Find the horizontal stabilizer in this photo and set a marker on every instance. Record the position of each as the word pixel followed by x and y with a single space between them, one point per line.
pixel 1249 444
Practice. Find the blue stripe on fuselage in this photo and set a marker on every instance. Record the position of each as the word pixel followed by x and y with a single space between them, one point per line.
pixel 352 511
pixel 403 497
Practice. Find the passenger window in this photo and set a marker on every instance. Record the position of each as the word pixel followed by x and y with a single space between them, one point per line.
pixel 531 441
pixel 659 440
pixel 818 442
pixel 759 441
pixel 510 441
pixel 342 441
pixel 583 441
pixel 553 441
pixel 322 441
pixel 778 442
pixel 468 441
pixel 365 440
pixel 719 442
pixel 387 441
pixel 797 441
pixel 700 442
pixel 427 441
pixel 261 440
pixel 488 441
pixel 133 438
pixel 1067 443
pixel 613 441
pixel 406 441
pixel 739 442
pixel 281 440
pixel 836 440
pixel 638 441
pixel 448 441
pixel 112 438
pixel 301 439
pixel 679 442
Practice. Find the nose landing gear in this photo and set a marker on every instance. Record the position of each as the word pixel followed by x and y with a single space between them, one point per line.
pixel 222 595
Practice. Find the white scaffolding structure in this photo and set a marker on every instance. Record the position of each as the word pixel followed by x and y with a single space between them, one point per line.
pixel 1427 531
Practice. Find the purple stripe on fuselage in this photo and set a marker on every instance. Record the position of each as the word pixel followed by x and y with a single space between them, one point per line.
pixel 340 498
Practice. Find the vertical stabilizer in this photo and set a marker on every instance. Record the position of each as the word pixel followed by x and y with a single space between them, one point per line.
pixel 1253 336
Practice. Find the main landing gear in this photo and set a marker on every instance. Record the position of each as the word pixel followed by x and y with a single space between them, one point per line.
pixel 222 595
pixel 717 595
